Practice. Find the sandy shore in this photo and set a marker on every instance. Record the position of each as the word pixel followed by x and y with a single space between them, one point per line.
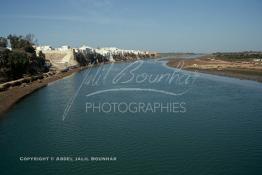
pixel 11 96
pixel 248 70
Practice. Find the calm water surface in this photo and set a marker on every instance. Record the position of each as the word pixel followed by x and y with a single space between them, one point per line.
pixel 220 132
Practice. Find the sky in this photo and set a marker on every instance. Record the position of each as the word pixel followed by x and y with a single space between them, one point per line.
pixel 201 26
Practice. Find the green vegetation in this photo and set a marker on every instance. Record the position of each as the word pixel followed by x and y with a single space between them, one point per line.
pixel 92 58
pixel 3 42
pixel 241 56
pixel 21 60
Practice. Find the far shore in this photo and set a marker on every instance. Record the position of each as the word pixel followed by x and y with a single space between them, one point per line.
pixel 247 70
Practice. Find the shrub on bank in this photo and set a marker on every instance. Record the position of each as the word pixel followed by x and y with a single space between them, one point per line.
pixel 21 60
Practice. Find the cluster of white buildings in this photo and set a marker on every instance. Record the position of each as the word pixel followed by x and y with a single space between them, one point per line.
pixel 106 51
pixel 116 51
pixel 65 56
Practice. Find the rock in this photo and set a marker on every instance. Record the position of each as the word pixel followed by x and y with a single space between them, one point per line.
pixel 16 83
pixel 23 84
pixel 41 76
pixel 27 80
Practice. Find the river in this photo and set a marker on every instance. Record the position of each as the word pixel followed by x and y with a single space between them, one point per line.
pixel 213 124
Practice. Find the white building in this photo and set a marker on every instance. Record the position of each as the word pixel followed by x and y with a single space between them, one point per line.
pixel 44 48
pixel 64 48
pixel 86 49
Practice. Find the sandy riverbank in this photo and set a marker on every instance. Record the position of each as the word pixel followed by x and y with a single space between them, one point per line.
pixel 239 69
pixel 11 96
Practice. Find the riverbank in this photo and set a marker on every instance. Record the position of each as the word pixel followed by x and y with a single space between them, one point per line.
pixel 248 70
pixel 14 94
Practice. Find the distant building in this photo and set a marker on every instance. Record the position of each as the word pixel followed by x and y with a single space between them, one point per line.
pixel 44 48
pixel 86 49
pixel 64 48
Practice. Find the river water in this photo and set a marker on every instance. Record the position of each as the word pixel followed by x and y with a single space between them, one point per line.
pixel 213 127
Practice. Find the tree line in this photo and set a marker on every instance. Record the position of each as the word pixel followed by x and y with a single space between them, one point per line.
pixel 21 59
pixel 242 56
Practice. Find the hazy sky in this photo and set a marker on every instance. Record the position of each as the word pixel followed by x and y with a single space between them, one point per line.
pixel 160 25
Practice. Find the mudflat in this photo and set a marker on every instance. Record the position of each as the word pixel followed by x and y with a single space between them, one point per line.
pixel 250 70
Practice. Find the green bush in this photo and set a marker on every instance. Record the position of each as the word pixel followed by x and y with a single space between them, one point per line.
pixel 22 59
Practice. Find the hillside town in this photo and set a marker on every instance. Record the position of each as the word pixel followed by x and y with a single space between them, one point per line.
pixel 65 57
